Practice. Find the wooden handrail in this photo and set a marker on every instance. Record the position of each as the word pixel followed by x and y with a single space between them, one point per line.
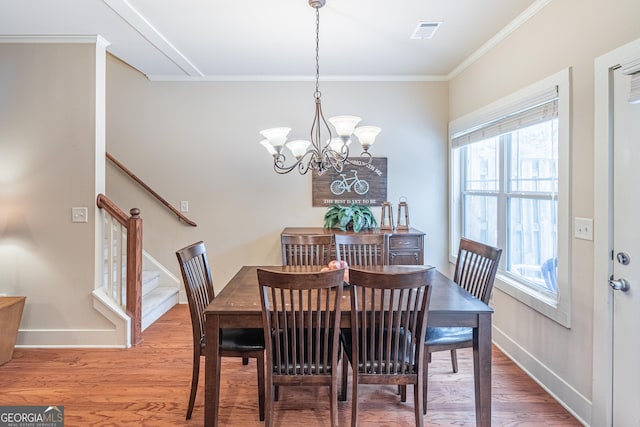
pixel 105 203
pixel 153 193
pixel 133 225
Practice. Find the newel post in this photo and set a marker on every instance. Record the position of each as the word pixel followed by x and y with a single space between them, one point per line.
pixel 134 274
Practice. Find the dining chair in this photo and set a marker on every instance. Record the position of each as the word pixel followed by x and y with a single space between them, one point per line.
pixel 309 249
pixel 360 249
pixel 385 343
pixel 305 249
pixel 301 318
pixel 364 250
pixel 475 271
pixel 235 342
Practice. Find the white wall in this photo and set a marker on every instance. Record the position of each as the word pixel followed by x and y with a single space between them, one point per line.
pixel 566 33
pixel 49 137
pixel 199 141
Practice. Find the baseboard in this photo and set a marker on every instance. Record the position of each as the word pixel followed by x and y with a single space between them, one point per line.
pixel 69 338
pixel 574 402
pixel 182 297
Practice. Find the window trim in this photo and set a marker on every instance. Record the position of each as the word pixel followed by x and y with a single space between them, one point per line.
pixel 558 309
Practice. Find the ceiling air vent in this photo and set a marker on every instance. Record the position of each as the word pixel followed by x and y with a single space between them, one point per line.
pixel 425 30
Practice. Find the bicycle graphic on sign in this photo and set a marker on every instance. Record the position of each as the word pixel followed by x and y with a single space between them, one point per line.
pixel 340 185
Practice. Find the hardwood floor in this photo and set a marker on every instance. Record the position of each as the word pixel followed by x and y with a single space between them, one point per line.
pixel 149 386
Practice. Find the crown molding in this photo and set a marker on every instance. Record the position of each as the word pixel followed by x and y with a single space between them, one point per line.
pixel 285 78
pixel 57 38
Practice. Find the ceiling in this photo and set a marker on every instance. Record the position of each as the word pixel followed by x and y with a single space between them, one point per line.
pixel 275 40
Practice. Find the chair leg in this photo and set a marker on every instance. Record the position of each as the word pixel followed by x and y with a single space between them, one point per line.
pixel 454 361
pixel 261 385
pixel 418 401
pixel 268 400
pixel 425 381
pixel 194 383
pixel 245 360
pixel 276 393
pixel 403 392
pixel 333 393
pixel 345 371
pixel 354 398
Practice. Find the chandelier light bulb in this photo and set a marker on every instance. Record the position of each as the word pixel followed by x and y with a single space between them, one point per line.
pixel 344 124
pixel 276 136
pixel 269 147
pixel 298 147
pixel 366 135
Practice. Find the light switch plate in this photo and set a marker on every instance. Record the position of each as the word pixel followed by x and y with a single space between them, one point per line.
pixel 583 228
pixel 184 206
pixel 79 215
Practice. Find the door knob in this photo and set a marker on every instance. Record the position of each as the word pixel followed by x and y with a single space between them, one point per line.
pixel 619 284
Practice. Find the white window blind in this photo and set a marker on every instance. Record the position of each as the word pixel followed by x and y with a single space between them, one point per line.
pixel 526 112
pixel 633 69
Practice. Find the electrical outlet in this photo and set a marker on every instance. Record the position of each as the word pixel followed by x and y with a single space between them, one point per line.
pixel 583 228
pixel 79 215
pixel 184 206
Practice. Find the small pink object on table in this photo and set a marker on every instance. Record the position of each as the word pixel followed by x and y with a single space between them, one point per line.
pixel 337 265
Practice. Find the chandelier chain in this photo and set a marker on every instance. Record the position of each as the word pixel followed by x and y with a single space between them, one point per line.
pixel 317 94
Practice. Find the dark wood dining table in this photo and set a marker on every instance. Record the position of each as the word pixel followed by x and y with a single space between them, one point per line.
pixel 238 306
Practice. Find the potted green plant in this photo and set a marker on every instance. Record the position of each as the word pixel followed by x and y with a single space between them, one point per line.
pixel 354 217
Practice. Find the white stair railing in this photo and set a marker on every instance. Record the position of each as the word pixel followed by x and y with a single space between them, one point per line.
pixel 122 257
pixel 114 255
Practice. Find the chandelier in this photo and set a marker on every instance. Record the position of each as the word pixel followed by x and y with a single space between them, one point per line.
pixel 318 154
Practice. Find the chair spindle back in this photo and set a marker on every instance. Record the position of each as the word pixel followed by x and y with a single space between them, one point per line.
pixel 476 268
pixel 360 250
pixel 306 249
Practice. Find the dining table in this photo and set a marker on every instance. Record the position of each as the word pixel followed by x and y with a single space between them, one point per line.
pixel 238 306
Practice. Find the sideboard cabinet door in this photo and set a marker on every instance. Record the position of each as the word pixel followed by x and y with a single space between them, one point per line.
pixel 407 249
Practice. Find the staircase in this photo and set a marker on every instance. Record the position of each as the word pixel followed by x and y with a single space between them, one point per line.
pixel 135 289
pixel 157 298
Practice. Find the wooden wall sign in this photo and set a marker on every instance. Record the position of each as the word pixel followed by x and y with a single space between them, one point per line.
pixel 362 183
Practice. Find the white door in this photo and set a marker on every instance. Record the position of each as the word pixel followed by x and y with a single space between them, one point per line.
pixel 626 255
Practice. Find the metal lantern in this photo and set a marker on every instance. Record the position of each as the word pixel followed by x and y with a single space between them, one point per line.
pixel 386 219
pixel 403 215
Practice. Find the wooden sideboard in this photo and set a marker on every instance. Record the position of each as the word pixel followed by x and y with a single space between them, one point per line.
pixel 402 247
pixel 10 315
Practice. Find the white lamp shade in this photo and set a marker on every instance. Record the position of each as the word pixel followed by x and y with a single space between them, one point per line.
pixel 276 136
pixel 336 144
pixel 298 147
pixel 367 135
pixel 269 147
pixel 344 124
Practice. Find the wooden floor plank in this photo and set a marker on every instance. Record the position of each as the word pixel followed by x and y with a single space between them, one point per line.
pixel 149 386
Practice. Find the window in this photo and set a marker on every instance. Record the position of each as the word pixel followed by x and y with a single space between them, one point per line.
pixel 509 189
